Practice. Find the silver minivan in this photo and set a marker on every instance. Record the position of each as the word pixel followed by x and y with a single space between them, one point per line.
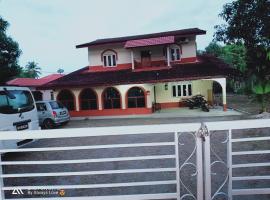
pixel 52 113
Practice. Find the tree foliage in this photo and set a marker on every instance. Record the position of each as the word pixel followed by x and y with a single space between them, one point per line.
pixel 248 22
pixel 31 70
pixel 233 54
pixel 9 54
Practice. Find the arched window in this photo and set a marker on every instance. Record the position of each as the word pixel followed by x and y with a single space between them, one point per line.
pixel 88 100
pixel 109 58
pixel 66 97
pixel 111 98
pixel 175 53
pixel 136 98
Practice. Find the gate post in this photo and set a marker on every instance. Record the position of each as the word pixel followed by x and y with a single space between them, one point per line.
pixel 177 165
pixel 229 164
pixel 204 163
pixel 199 162
pixel 207 168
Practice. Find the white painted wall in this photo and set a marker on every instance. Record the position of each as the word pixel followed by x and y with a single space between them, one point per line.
pixel 189 49
pixel 156 53
pixel 198 87
pixel 124 55
pixel 162 96
pixel 121 88
pixel 46 94
pixel 94 54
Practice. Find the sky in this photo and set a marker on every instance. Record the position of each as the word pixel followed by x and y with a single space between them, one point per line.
pixel 48 30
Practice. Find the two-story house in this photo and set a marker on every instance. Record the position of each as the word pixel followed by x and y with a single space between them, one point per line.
pixel 134 74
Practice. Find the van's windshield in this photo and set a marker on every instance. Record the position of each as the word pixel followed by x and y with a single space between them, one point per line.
pixel 15 101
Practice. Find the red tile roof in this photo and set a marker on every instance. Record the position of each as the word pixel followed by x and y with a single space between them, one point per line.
pixel 31 82
pixel 182 32
pixel 149 42
pixel 207 67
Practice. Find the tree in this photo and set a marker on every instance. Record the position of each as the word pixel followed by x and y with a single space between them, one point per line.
pixel 31 70
pixel 60 71
pixel 233 54
pixel 9 54
pixel 214 49
pixel 248 22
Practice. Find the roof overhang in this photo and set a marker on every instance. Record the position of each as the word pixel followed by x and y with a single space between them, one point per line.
pixel 176 33
pixel 150 42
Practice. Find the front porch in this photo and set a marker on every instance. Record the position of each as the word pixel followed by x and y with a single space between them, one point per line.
pixel 135 99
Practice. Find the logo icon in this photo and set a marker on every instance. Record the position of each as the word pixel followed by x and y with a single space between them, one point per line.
pixel 17 191
pixel 61 192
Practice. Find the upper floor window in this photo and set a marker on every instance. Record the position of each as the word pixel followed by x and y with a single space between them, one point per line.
pixel 182 90
pixel 109 58
pixel 175 53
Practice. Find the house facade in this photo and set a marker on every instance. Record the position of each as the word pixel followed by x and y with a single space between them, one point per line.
pixel 140 74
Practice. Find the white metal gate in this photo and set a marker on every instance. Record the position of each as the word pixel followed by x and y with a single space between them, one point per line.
pixel 244 171
pixel 173 161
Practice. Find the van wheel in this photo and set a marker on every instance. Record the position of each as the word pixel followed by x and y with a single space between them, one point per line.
pixel 48 124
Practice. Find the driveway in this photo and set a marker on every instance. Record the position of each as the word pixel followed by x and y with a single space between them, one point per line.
pixel 186 147
pixel 166 116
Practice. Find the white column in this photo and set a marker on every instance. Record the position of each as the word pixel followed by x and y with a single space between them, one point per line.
pixel 99 95
pixel 224 96
pixel 132 59
pixel 222 82
pixel 76 93
pixel 168 56
pixel 123 91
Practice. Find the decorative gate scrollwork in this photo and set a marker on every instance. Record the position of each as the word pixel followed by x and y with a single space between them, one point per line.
pixel 198 161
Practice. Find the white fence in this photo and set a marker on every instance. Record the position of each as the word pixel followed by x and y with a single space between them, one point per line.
pixel 129 162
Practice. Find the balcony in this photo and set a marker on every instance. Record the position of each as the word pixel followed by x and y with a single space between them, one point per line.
pixel 153 57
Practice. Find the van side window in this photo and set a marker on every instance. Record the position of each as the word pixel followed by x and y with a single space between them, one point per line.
pixel 41 107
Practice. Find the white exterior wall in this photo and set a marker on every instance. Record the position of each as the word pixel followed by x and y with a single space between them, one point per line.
pixel 121 88
pixel 203 87
pixel 46 94
pixel 198 87
pixel 189 49
pixel 156 53
pixel 94 54
pixel 124 55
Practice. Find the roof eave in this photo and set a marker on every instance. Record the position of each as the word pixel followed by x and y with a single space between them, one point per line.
pixel 89 44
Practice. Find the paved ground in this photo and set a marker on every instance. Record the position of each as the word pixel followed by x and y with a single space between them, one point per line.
pixel 243 103
pixel 168 116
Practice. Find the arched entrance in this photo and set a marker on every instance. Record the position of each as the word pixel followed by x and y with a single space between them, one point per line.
pixel 67 98
pixel 136 98
pixel 111 98
pixel 219 84
pixel 88 99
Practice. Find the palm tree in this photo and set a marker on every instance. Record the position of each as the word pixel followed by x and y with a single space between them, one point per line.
pixel 32 70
